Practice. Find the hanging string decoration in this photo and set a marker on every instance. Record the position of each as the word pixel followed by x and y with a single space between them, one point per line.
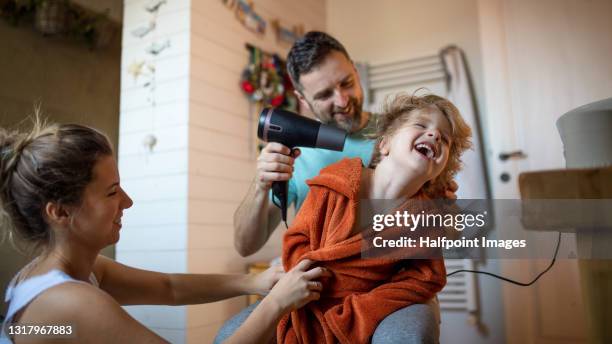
pixel 285 35
pixel 264 80
pixel 245 13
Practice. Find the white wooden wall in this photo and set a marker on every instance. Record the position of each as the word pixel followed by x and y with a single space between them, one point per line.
pixel 154 234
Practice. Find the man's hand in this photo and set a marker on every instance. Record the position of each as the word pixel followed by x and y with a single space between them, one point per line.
pixel 275 163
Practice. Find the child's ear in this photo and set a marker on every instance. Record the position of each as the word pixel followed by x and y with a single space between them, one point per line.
pixel 57 214
pixel 383 147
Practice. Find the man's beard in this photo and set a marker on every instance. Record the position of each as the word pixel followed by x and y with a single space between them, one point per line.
pixel 349 125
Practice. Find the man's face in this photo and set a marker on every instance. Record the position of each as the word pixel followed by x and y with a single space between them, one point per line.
pixel 333 93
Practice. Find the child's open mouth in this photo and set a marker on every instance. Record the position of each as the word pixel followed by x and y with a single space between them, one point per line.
pixel 426 149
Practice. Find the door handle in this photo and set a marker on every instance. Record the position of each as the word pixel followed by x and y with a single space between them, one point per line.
pixel 512 155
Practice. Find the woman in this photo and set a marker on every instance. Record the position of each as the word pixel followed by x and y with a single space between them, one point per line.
pixel 61 194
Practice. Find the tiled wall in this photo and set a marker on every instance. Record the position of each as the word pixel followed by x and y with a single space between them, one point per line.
pixel 187 189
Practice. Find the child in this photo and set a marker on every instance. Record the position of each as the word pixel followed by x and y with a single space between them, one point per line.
pixel 417 153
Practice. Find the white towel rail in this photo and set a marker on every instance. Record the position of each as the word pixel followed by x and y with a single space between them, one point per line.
pixel 405 73
pixel 460 290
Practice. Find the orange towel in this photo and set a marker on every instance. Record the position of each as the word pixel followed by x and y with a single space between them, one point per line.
pixel 362 292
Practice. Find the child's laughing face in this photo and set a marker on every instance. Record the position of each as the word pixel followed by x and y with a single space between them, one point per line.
pixel 422 144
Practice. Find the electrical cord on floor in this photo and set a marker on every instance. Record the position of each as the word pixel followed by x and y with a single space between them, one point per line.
pixel 510 280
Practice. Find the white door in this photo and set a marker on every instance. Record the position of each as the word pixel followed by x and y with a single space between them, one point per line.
pixel 541 58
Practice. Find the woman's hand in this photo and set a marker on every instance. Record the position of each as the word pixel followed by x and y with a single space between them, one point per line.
pixel 298 286
pixel 261 283
pixel 294 289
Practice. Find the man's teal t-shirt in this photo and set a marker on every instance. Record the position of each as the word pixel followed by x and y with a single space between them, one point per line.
pixel 312 160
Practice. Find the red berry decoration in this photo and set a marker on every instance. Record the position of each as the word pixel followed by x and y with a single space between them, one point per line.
pixel 247 87
pixel 277 101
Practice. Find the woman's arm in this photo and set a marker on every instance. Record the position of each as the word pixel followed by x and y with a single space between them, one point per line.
pixel 130 286
pixel 87 314
pixel 95 317
pixel 294 290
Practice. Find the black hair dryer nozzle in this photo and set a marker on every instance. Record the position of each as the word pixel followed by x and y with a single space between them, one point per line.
pixel 293 130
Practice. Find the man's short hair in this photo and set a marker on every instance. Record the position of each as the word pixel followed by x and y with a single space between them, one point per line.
pixel 308 52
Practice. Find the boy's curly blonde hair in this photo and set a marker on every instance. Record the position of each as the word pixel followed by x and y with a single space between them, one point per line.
pixel 399 109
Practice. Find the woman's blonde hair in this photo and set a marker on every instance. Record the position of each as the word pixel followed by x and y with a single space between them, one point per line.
pixel 398 109
pixel 49 163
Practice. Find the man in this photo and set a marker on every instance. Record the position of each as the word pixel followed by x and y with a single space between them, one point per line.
pixel 326 81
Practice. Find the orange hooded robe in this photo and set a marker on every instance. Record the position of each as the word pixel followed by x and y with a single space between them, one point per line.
pixel 362 292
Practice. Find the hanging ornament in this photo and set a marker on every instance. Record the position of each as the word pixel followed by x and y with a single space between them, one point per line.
pixel 285 35
pixel 245 13
pixel 264 80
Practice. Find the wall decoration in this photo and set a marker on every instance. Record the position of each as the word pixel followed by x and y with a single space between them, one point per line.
pixel 136 69
pixel 149 142
pixel 146 68
pixel 156 47
pixel 154 5
pixel 51 17
pixel 265 81
pixel 61 18
pixel 142 31
pixel 245 13
pixel 285 35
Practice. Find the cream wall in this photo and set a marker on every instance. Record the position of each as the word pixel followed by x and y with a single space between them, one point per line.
pixel 391 30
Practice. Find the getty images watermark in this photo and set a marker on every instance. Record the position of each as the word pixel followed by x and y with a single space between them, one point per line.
pixel 508 229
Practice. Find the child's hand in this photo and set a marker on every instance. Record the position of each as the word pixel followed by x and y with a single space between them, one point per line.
pixel 262 283
pixel 298 286
pixel 451 190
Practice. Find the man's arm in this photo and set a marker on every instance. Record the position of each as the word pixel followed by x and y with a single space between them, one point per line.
pixel 256 217
pixel 254 221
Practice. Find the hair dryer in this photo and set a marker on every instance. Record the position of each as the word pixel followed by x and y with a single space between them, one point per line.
pixel 293 130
